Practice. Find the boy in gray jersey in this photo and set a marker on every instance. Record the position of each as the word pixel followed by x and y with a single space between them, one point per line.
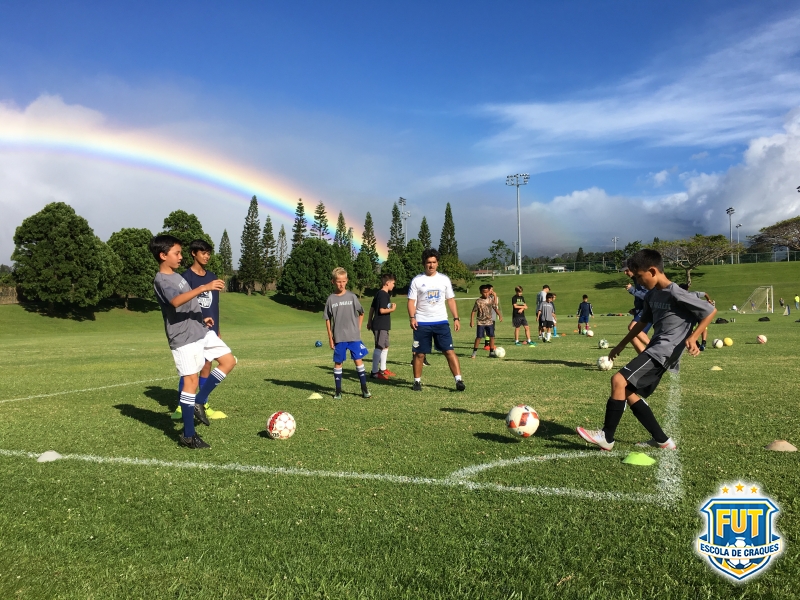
pixel 707 298
pixel 673 312
pixel 547 317
pixel 190 339
pixel 343 317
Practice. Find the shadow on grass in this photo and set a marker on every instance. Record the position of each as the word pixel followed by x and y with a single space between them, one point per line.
pixel 464 411
pixel 293 302
pixel 618 282
pixel 300 385
pixel 563 363
pixel 496 437
pixel 88 313
pixel 156 420
pixel 167 398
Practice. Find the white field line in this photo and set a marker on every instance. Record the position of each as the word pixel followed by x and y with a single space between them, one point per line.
pixel 384 478
pixel 104 387
pixel 669 472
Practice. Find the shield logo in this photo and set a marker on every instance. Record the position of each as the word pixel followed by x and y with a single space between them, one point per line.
pixel 739 539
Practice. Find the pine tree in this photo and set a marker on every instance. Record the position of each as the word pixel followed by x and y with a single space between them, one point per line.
pixel 369 244
pixel 269 259
pixel 424 234
pixel 340 236
pixel 580 256
pixel 300 226
pixel 250 265
pixel 412 258
pixel 396 242
pixel 282 248
pixel 342 247
pixel 447 242
pixel 225 255
pixel 350 236
pixel 394 265
pixel 363 272
pixel 319 228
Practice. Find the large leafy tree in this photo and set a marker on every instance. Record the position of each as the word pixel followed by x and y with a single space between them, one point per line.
pixel 250 265
pixel 300 226
pixel 782 233
pixel 425 234
pixel 225 256
pixel 363 273
pixel 394 265
pixel 456 270
pixel 447 242
pixel 396 242
pixel 307 273
pixel 138 267
pixel 59 260
pixel 319 228
pixel 499 255
pixel 692 252
pixel 412 258
pixel 187 228
pixel 268 255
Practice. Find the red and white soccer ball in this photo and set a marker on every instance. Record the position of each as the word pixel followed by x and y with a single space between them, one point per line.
pixel 281 425
pixel 522 420
pixel 589 333
pixel 762 339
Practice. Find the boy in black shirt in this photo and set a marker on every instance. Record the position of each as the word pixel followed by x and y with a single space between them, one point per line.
pixel 380 322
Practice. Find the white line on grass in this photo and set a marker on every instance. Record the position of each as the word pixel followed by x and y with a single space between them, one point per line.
pixel 669 472
pixel 385 478
pixel 105 387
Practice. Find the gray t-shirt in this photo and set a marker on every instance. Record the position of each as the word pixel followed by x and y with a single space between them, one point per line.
pixel 343 312
pixel 547 312
pixel 541 298
pixel 673 312
pixel 184 324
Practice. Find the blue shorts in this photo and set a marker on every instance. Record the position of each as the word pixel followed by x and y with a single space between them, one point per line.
pixel 485 330
pixel 439 335
pixel 637 317
pixel 357 351
pixel 583 320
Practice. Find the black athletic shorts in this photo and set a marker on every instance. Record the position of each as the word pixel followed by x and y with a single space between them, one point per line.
pixel 643 375
pixel 519 321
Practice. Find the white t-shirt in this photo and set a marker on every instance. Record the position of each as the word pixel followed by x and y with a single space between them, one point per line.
pixel 430 294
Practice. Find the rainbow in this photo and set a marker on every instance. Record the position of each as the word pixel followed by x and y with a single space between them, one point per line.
pixel 237 183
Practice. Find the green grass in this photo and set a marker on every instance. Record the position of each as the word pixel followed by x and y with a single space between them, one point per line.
pixel 81 529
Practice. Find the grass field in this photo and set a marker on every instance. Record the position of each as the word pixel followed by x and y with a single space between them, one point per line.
pixel 401 496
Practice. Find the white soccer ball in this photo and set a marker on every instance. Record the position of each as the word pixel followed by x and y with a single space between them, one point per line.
pixel 590 333
pixel 602 344
pixel 499 352
pixel 762 339
pixel 522 420
pixel 604 364
pixel 717 343
pixel 281 425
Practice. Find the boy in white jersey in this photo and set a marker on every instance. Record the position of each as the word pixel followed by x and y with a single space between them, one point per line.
pixel 429 295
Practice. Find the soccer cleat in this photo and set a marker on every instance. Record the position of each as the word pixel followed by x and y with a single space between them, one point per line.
pixel 702 347
pixel 200 414
pixel 389 373
pixel 177 415
pixel 215 414
pixel 460 386
pixel 380 375
pixel 365 394
pixel 492 354
pixel 517 343
pixel 596 437
pixel 337 395
pixel 486 347
pixel 417 387
pixel 651 443
pixel 195 442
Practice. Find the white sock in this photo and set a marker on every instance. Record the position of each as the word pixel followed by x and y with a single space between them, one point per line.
pixel 384 354
pixel 457 377
pixel 376 360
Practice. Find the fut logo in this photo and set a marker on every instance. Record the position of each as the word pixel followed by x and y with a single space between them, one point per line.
pixel 739 539
pixel 205 299
pixel 432 296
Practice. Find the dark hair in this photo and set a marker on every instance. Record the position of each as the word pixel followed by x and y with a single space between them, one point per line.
pixel 585 297
pixel 518 289
pixel 545 287
pixel 549 296
pixel 646 259
pixel 387 277
pixel 200 246
pixel 162 244
pixel 430 253
pixel 485 286
pixel 684 286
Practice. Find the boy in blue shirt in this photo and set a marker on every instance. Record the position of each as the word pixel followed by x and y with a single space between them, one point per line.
pixel 584 312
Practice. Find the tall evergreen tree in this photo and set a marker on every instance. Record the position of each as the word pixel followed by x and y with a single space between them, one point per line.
pixel 342 247
pixel 300 226
pixel 319 228
pixel 369 244
pixel 396 242
pixel 350 236
pixel 412 258
pixel 269 257
pixel 447 242
pixel 282 248
pixel 250 265
pixel 424 236
pixel 364 275
pixel 340 235
pixel 580 256
pixel 225 255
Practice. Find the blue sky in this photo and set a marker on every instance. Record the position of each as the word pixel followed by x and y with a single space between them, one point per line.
pixel 634 119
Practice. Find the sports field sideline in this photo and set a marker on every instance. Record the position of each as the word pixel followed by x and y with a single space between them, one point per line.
pixel 402 495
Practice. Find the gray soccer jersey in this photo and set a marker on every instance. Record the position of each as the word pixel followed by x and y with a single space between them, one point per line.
pixel 343 312
pixel 547 312
pixel 673 312
pixel 184 324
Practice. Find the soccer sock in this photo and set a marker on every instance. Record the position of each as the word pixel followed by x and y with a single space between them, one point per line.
pixel 376 360
pixel 417 379
pixel 641 410
pixel 214 379
pixel 457 377
pixel 337 378
pixel 384 356
pixel 614 412
pixel 362 376
pixel 180 385
pixel 187 412
pixel 201 382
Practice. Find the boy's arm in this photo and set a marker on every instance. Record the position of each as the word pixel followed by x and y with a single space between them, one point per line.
pixel 451 303
pixel 691 341
pixel 330 333
pixel 183 298
pixel 412 313
pixel 369 318
pixel 472 315
pixel 637 329
pixel 360 320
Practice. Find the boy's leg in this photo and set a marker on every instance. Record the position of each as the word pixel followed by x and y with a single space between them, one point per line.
pixel 362 376
pixel 516 335
pixel 528 334
pixel 376 361
pixel 337 380
pixel 225 364
pixel 475 347
pixel 492 347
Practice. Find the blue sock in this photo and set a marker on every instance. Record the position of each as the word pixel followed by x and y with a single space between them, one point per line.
pixel 180 385
pixel 187 412
pixel 362 375
pixel 208 386
pixel 337 378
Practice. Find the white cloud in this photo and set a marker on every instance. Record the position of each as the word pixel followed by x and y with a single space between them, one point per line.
pixel 699 155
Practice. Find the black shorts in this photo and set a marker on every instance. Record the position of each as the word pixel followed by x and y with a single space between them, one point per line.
pixel 546 324
pixel 520 321
pixel 485 331
pixel 643 375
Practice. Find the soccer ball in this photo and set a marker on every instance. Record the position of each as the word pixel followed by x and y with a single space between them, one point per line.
pixel 318 344
pixel 281 425
pixel 728 342
pixel 590 333
pixel 604 364
pixel 499 352
pixel 738 562
pixel 602 344
pixel 762 339
pixel 717 343
pixel 522 420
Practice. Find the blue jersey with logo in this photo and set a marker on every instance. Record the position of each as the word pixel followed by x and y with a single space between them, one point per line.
pixel 208 301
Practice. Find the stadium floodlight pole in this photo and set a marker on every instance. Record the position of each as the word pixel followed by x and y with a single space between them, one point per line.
pixel 404 214
pixel 730 213
pixel 737 243
pixel 518 180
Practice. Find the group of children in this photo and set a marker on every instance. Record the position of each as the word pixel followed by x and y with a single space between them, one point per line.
pixel 189 305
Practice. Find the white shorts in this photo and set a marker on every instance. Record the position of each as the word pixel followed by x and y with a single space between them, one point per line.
pixel 190 359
